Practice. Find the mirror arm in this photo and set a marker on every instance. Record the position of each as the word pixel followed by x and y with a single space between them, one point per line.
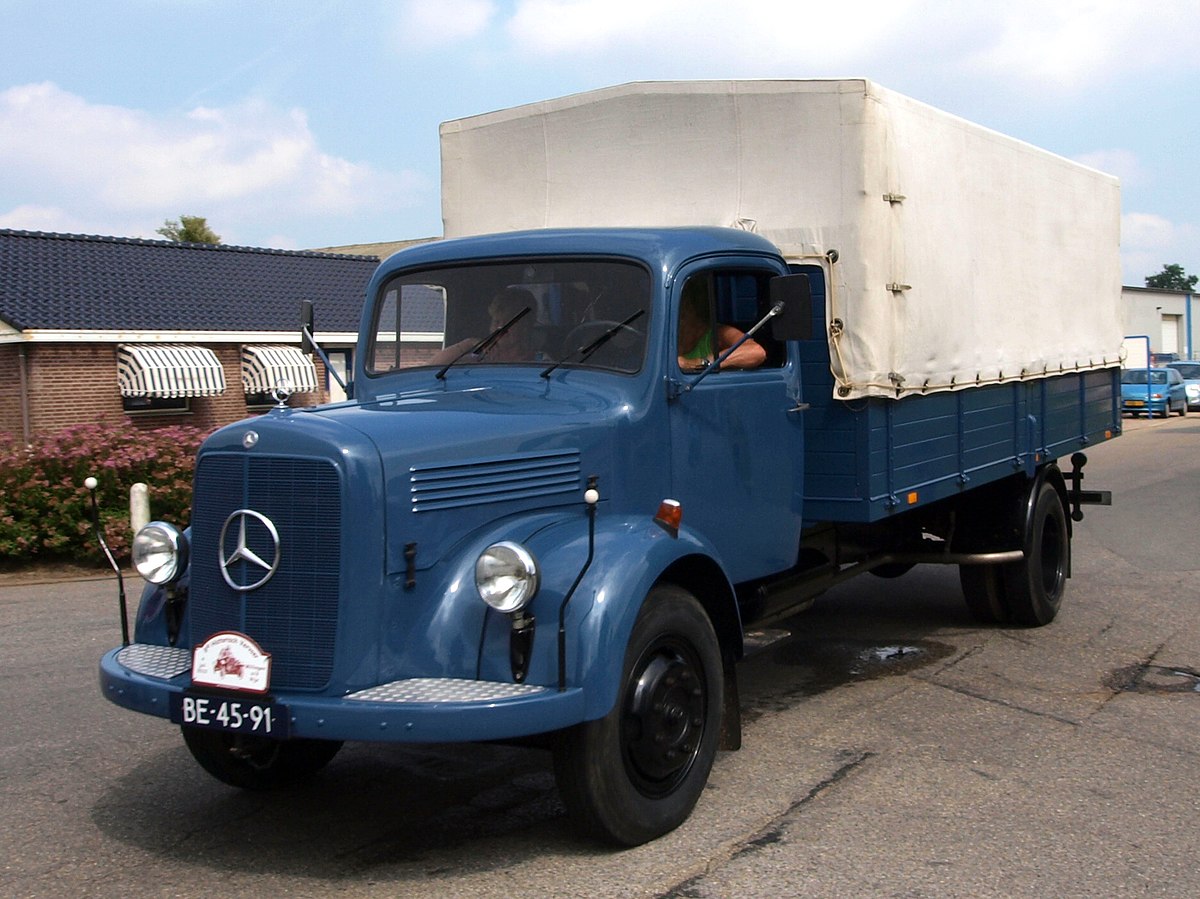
pixel 307 334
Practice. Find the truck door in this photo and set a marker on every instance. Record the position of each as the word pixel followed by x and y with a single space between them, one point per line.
pixel 737 435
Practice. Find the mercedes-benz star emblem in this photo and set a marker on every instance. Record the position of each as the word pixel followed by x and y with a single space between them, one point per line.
pixel 242 552
pixel 282 392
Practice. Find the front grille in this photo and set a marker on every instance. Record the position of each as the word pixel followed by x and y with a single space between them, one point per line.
pixel 478 481
pixel 293 616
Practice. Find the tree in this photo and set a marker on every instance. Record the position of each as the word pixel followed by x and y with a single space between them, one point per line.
pixel 189 229
pixel 1173 277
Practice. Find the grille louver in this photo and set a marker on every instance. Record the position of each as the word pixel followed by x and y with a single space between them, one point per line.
pixel 480 481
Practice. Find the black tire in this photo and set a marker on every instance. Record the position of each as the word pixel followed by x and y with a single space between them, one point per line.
pixel 256 763
pixel 983 587
pixel 636 773
pixel 1034 587
pixel 891 570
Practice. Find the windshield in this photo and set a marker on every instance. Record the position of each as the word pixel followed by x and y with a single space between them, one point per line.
pixel 1190 372
pixel 1138 376
pixel 531 312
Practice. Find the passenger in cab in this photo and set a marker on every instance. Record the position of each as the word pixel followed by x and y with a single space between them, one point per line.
pixel 515 345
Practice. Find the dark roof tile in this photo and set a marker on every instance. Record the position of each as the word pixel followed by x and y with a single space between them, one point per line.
pixel 85 282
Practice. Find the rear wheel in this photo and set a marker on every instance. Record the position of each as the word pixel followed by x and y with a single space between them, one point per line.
pixel 636 773
pixel 983 587
pixel 1035 585
pixel 891 570
pixel 1029 591
pixel 256 763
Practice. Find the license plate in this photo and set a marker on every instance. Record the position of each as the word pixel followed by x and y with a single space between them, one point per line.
pixel 240 716
pixel 1135 402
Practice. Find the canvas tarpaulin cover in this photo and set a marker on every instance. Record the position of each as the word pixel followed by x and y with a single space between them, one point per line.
pixel 963 256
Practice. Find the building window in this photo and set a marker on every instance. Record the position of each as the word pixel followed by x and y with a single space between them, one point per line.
pixel 156 404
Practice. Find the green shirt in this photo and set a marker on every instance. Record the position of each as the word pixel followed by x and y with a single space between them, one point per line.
pixel 703 348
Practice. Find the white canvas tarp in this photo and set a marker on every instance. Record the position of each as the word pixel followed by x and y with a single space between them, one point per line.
pixel 964 256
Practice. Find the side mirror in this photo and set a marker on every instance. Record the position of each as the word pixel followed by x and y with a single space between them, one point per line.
pixel 795 321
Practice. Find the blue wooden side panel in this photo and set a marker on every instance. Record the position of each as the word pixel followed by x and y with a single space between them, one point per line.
pixel 868 459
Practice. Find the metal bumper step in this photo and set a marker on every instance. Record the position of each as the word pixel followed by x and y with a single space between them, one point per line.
pixel 444 689
pixel 164 662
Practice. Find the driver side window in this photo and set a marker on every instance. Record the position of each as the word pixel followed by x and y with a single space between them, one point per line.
pixel 716 309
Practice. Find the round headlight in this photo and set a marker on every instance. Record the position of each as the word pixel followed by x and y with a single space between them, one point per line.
pixel 159 553
pixel 506 576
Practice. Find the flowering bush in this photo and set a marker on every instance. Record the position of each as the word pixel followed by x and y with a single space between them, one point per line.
pixel 45 510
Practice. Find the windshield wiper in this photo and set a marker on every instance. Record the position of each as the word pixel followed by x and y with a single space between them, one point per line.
pixel 585 352
pixel 481 348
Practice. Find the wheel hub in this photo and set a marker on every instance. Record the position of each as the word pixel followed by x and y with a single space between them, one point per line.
pixel 663 722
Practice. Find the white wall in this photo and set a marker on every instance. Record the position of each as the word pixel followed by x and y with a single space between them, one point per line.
pixel 1145 310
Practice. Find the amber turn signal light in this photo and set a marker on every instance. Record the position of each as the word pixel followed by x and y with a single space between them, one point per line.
pixel 670 514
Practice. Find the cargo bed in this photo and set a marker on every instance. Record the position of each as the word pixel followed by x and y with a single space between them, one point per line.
pixel 869 458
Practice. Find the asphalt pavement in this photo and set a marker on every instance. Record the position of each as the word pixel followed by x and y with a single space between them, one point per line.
pixel 892 747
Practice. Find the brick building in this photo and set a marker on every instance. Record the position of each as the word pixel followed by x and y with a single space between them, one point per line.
pixel 156 333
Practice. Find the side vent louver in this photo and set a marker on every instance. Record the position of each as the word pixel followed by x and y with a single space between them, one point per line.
pixel 494 480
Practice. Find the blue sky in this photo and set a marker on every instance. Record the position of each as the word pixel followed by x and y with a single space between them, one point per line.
pixel 309 124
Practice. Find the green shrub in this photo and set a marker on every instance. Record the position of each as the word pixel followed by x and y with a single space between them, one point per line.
pixel 45 511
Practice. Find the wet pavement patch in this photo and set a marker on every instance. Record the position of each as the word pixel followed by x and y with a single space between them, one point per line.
pixel 844 660
pixel 1154 679
pixel 793 669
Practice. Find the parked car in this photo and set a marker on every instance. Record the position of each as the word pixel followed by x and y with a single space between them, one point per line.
pixel 1191 381
pixel 1154 391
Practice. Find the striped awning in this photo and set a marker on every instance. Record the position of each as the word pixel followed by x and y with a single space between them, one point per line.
pixel 168 370
pixel 265 367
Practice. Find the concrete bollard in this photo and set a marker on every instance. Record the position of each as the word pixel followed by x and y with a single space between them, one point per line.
pixel 139 506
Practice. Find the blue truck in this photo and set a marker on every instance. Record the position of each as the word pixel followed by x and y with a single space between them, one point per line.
pixel 547 513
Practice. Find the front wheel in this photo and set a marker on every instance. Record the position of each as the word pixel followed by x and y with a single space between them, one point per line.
pixel 257 763
pixel 636 773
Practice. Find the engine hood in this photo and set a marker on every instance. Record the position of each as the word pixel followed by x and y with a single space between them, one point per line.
pixel 455 461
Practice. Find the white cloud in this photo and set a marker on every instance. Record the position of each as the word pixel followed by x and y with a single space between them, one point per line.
pixel 247 161
pixel 1149 241
pixel 707 36
pixel 1142 230
pixel 434 23
pixel 31 217
pixel 1069 43
pixel 1064 44
pixel 1122 163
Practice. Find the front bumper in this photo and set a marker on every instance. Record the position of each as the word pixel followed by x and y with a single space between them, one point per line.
pixel 143 678
pixel 1140 407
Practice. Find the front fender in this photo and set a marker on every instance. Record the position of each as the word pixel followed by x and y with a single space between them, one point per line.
pixel 630 556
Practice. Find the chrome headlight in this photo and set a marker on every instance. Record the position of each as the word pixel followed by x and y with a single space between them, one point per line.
pixel 506 575
pixel 160 553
